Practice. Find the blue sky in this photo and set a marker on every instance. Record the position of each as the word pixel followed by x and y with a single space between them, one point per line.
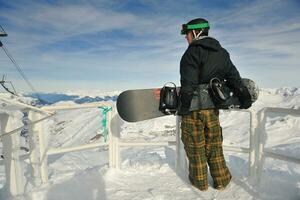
pixel 114 45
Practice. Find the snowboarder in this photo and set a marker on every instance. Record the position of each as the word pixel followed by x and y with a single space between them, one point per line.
pixel 204 60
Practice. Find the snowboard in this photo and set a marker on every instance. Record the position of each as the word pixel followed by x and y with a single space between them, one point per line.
pixel 143 104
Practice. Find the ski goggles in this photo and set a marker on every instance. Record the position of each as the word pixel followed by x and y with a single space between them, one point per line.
pixel 186 27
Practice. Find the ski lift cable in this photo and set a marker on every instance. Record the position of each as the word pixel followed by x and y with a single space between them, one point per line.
pixel 3 34
pixel 19 69
pixel 22 74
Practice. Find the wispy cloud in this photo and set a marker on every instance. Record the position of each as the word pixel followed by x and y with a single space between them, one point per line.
pixel 137 43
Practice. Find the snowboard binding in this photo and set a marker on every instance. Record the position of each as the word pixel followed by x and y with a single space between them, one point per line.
pixel 217 91
pixel 168 102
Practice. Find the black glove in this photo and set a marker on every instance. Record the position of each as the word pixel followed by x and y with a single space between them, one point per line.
pixel 183 111
pixel 244 97
pixel 246 104
pixel 185 103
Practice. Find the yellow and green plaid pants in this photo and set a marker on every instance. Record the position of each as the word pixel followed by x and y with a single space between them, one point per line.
pixel 202 139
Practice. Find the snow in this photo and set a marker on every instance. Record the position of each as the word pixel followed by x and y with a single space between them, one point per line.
pixel 149 172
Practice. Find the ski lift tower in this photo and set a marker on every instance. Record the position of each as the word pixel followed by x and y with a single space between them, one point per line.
pixel 2 82
pixel 2 32
pixel 11 158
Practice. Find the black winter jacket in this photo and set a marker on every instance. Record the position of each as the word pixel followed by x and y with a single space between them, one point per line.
pixel 203 60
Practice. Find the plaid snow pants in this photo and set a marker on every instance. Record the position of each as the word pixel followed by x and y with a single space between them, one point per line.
pixel 202 138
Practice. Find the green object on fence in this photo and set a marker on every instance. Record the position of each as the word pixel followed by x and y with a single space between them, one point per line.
pixel 105 110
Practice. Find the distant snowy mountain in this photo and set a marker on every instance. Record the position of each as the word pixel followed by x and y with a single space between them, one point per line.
pixel 288 97
pixel 285 96
pixel 52 98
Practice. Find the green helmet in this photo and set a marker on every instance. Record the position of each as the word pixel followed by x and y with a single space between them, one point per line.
pixel 195 24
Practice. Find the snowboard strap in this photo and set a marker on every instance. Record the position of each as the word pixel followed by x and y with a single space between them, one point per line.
pixel 217 91
pixel 105 110
pixel 168 102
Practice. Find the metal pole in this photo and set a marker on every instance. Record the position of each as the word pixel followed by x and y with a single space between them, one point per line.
pixel 261 142
pixel 42 151
pixel 181 159
pixel 34 149
pixel 111 149
pixel 177 147
pixel 54 151
pixel 138 144
pixel 72 107
pixel 114 122
pixel 23 105
pixel 253 142
pixel 11 145
pixel 115 125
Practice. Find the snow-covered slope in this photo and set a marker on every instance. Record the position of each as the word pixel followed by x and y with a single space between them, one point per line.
pixel 149 172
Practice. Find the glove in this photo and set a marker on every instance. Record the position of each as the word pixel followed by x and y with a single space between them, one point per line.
pixel 185 103
pixel 183 111
pixel 246 104
pixel 244 97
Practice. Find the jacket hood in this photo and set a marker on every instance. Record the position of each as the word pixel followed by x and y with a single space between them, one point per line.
pixel 207 43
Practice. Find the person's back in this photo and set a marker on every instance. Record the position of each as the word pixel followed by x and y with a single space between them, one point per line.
pixel 204 60
pixel 213 61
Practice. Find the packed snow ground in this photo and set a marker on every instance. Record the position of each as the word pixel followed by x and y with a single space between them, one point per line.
pixel 149 172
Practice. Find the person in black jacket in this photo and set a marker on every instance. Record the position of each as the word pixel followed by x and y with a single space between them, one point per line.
pixel 204 60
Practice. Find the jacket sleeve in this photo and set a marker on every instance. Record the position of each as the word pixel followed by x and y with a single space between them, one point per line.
pixel 234 81
pixel 189 74
pixel 232 76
